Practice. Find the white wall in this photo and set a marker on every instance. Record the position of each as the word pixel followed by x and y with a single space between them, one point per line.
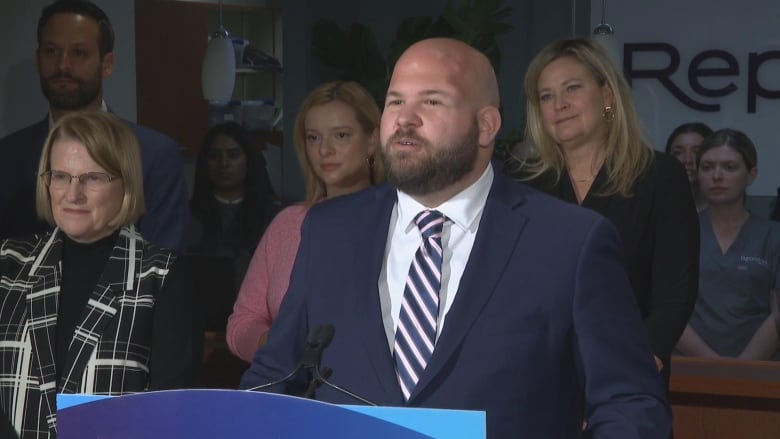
pixel 693 26
pixel 21 100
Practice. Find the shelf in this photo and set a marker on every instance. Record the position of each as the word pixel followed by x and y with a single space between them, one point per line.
pixel 168 75
pixel 255 71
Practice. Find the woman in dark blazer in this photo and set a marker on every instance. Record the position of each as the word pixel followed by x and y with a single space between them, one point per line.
pixel 89 307
pixel 589 149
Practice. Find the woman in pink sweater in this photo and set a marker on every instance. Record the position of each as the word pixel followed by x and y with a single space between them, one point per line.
pixel 336 138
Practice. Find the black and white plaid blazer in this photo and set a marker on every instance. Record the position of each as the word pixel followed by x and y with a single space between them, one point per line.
pixel 110 350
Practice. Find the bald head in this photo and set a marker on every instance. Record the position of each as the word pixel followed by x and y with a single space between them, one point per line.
pixel 440 120
pixel 463 65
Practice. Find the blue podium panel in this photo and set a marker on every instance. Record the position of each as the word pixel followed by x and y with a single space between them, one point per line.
pixel 232 413
pixel 436 423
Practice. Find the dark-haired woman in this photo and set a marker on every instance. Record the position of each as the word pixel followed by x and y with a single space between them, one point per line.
pixel 682 144
pixel 233 200
pixel 740 258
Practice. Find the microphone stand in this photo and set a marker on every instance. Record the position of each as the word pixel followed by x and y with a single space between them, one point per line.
pixel 315 343
pixel 316 383
pixel 273 383
pixel 323 379
pixel 319 338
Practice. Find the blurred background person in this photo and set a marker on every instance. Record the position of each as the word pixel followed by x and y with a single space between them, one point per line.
pixel 775 215
pixel 336 136
pixel 740 258
pixel 590 150
pixel 75 53
pixel 233 200
pixel 89 307
pixel 683 144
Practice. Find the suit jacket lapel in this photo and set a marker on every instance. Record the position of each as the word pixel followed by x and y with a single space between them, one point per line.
pixel 42 304
pixel 499 230
pixel 367 306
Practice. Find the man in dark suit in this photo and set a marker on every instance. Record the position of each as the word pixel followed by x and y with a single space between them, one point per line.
pixel 535 322
pixel 74 54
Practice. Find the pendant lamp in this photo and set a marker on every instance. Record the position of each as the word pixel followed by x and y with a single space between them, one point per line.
pixel 604 34
pixel 218 75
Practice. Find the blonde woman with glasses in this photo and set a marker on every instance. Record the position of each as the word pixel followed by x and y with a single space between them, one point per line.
pixel 89 307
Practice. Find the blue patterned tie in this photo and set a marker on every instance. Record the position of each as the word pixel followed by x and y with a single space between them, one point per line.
pixel 416 333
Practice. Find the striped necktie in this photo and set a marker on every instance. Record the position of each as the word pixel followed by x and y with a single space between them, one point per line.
pixel 416 333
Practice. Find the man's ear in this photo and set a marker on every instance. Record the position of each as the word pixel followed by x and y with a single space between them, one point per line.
pixel 108 64
pixel 37 63
pixel 488 122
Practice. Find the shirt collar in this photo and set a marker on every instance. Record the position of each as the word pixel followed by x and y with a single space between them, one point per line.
pixel 462 209
pixel 103 107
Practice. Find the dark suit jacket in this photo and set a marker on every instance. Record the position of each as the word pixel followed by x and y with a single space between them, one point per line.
pixel 659 228
pixel 165 189
pixel 543 330
pixel 134 334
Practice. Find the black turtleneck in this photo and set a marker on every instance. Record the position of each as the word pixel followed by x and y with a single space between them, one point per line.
pixel 82 265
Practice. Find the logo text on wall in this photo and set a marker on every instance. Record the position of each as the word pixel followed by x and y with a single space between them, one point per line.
pixel 696 71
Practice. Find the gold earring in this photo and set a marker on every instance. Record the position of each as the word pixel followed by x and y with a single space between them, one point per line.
pixel 608 114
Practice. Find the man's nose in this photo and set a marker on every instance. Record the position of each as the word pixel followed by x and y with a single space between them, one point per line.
pixel 408 117
pixel 64 63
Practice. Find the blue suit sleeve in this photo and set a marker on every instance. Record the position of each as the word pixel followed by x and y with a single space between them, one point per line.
pixel 165 192
pixel 624 392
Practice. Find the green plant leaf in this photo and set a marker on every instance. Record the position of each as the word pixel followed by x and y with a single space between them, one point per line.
pixel 353 54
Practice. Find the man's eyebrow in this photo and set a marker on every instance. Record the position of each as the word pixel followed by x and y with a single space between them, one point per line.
pixel 426 92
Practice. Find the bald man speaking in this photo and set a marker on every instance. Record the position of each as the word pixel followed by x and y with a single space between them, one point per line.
pixel 454 287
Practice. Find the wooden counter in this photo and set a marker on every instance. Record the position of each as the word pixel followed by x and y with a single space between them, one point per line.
pixel 725 398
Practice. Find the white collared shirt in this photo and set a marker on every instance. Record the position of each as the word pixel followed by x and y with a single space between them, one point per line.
pixel 103 107
pixel 464 212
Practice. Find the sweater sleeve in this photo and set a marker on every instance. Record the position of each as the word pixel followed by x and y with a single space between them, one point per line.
pixel 265 283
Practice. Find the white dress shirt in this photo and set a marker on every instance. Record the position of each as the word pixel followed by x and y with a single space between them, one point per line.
pixel 463 212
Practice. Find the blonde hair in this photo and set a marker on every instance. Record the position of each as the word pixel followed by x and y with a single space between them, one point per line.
pixel 112 144
pixel 367 115
pixel 627 152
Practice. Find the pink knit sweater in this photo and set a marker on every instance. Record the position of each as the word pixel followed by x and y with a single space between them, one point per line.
pixel 265 283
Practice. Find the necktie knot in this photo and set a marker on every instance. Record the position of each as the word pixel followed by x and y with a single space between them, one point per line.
pixel 430 223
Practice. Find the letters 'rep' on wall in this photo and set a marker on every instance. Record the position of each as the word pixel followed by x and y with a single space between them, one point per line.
pixel 712 63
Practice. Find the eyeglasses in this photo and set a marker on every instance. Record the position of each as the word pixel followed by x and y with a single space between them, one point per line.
pixel 90 180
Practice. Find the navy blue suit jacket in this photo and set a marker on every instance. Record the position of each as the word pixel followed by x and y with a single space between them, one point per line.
pixel 165 189
pixel 544 328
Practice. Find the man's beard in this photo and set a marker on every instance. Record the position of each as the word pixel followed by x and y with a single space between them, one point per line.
pixel 87 91
pixel 419 174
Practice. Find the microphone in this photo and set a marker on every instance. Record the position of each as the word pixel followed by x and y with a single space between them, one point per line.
pixel 310 357
pixel 322 341
pixel 319 338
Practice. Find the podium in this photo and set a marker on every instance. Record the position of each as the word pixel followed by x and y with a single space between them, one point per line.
pixel 216 413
